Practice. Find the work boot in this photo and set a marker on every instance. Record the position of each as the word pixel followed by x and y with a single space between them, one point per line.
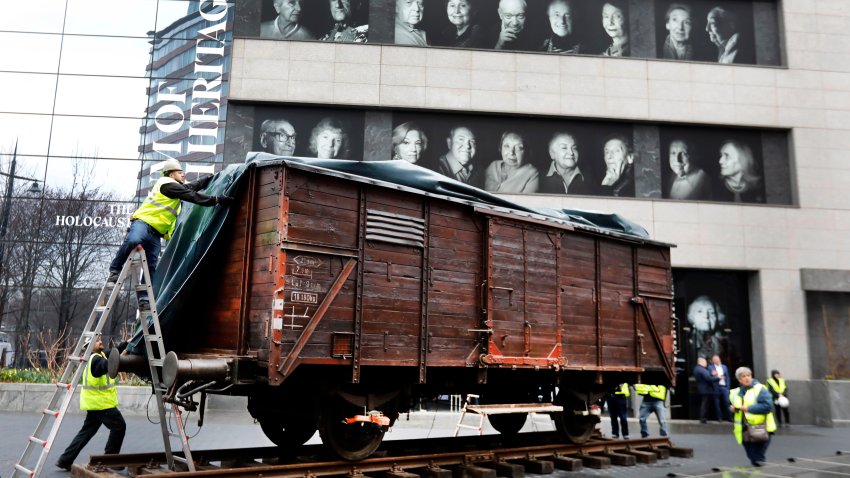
pixel 144 305
pixel 63 466
pixel 113 278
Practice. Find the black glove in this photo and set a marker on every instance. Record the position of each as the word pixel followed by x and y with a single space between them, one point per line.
pixel 223 200
pixel 122 346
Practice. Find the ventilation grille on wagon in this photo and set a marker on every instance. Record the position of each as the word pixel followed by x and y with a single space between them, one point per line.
pixel 395 228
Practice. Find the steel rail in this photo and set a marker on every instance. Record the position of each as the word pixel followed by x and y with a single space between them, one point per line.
pixel 394 457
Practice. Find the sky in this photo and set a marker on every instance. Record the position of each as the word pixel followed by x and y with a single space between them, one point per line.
pixel 92 80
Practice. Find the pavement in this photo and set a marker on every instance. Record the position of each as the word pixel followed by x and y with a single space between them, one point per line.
pixel 716 454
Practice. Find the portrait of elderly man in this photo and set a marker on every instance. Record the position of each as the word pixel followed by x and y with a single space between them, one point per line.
pixel 287 25
pixel 678 44
pixel 463 31
pixel 277 136
pixel 615 22
pixel 512 173
pixel 344 29
pixel 408 15
pixel 564 176
pixel 329 140
pixel 722 28
pixel 689 180
pixel 740 179
pixel 457 163
pixel 409 142
pixel 562 37
pixel 706 337
pixel 511 33
pixel 619 176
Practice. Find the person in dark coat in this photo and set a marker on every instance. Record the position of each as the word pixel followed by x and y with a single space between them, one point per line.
pixel 719 369
pixel 706 387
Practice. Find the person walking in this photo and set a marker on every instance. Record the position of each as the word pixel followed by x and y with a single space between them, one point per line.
pixel 99 398
pixel 724 379
pixel 778 389
pixel 653 402
pixel 618 407
pixel 751 402
pixel 156 218
pixel 706 387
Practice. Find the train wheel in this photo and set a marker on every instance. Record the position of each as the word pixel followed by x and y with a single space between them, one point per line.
pixel 289 431
pixel 352 442
pixel 575 428
pixel 508 424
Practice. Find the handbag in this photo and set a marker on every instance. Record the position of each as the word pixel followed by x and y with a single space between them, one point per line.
pixel 754 433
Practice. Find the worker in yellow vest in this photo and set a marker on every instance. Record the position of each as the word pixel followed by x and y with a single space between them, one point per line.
pixel 155 219
pixel 751 401
pixel 618 407
pixel 779 390
pixel 99 398
pixel 654 397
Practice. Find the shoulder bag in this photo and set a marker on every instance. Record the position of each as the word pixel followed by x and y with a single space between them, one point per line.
pixel 754 433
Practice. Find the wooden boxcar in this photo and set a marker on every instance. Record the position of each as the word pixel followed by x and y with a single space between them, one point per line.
pixel 331 296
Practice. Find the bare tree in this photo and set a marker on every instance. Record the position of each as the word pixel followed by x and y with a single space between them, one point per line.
pixel 80 248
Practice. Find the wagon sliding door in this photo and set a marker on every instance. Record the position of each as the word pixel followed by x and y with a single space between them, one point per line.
pixel 521 290
pixel 390 328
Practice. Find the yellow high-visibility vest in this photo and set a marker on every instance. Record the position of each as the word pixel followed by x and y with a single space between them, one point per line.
pixel 749 399
pixel 777 387
pixel 98 393
pixel 158 210
pixel 654 391
pixel 623 390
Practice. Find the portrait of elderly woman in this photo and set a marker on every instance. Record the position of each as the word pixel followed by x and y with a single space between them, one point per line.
pixel 329 140
pixel 564 176
pixel 463 31
pixel 562 37
pixel 738 174
pixel 287 25
pixel 512 174
pixel 619 176
pixel 345 29
pixel 706 337
pixel 689 180
pixel 409 142
pixel 408 16
pixel 722 26
pixel 615 22
pixel 678 44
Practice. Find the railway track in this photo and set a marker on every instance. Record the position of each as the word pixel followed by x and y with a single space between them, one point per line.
pixel 475 457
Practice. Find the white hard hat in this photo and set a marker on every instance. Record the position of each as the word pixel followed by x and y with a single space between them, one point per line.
pixel 171 165
pixel 783 402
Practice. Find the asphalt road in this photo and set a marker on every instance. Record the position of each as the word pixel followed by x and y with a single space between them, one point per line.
pixel 713 444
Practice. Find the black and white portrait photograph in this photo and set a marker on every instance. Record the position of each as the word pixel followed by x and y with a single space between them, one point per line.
pixel 715 31
pixel 513 173
pixel 714 319
pixel 614 22
pixel 565 174
pixel 705 30
pixel 325 20
pixel 618 155
pixel 310 132
pixel 555 156
pixel 712 164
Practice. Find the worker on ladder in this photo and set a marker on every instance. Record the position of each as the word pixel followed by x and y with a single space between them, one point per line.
pixel 156 217
pixel 99 398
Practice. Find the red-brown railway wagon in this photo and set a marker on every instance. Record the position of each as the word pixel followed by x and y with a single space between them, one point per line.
pixel 331 295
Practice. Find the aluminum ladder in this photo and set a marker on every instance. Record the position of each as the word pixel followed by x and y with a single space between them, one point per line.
pixel 134 266
pixel 155 350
